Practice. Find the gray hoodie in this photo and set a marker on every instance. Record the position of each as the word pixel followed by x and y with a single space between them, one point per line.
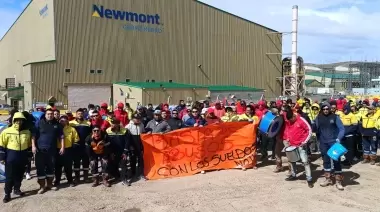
pixel 157 127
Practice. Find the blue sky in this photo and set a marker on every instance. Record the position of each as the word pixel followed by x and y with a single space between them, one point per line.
pixel 329 30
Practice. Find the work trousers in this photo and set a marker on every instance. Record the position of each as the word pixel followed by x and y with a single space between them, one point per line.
pixel 137 158
pixel 349 143
pixel 103 163
pixel 327 161
pixel 28 167
pixel 80 156
pixel 64 161
pixel 305 161
pixel 264 145
pixel 14 173
pixel 278 150
pixel 358 146
pixel 369 145
pixel 45 163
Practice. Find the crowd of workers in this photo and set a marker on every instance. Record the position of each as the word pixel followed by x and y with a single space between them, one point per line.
pixel 96 135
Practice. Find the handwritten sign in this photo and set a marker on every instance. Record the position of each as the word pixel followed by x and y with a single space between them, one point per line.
pixel 192 150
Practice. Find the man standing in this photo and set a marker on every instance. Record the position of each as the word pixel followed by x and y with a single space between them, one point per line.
pixel 96 120
pixel 83 129
pixel 297 133
pixel 119 148
pixel 65 160
pixel 350 124
pixel 44 147
pixel 15 143
pixel 135 129
pixel 121 115
pixel 157 125
pixel 174 122
pixel 369 135
pixel 329 130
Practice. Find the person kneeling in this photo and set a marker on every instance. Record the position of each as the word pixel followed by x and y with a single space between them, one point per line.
pixel 98 150
pixel 297 133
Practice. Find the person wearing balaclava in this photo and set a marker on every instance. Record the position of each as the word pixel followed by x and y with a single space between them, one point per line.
pixel 15 149
pixel 329 130
pixel 369 135
pixel 121 114
pixel 350 124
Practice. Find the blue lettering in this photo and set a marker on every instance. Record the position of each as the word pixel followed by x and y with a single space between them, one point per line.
pixel 118 15
pixel 122 15
pixel 132 17
pixel 142 18
pixel 100 10
pixel 108 13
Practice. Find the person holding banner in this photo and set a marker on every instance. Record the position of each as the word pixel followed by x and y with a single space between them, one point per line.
pixel 229 116
pixel 157 125
pixel 195 119
pixel 297 133
pixel 15 149
pixel 249 115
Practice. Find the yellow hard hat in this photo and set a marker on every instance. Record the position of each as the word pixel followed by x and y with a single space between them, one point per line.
pixel 18 115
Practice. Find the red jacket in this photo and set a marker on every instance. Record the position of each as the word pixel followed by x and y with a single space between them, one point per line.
pixel 103 112
pixel 240 109
pixel 122 116
pixel 182 113
pixel 219 112
pixel 297 133
pixel 102 123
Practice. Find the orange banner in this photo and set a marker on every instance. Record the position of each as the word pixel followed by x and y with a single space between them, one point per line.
pixel 192 150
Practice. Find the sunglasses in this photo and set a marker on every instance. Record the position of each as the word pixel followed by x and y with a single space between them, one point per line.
pixel 194 111
pixel 95 131
pixel 95 115
pixel 175 113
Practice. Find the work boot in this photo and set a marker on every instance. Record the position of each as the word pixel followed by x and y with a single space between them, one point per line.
pixel 42 184
pixel 7 198
pixel 77 177
pixel 49 184
pixel 18 193
pixel 95 181
pixel 278 167
pixel 310 184
pixel 291 178
pixel 373 159
pixel 365 159
pixel 327 181
pixel 105 180
pixel 339 179
pixel 289 170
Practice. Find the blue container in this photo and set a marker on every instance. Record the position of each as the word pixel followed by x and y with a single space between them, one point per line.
pixel 270 125
pixel 336 151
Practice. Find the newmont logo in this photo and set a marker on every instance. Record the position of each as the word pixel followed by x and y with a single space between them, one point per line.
pixel 101 12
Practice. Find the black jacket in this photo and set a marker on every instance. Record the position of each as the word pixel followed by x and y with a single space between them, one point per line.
pixel 175 123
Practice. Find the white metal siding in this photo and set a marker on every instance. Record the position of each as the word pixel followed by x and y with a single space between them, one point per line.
pixel 79 96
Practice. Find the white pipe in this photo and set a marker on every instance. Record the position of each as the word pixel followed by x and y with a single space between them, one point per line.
pixel 294 48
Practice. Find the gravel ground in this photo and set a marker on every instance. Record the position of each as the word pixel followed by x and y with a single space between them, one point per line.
pixel 226 190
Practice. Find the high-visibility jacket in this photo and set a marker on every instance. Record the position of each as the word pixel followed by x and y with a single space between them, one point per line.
pixel 368 126
pixel 350 123
pixel 245 117
pixel 83 129
pixel 229 117
pixel 15 145
pixel 70 136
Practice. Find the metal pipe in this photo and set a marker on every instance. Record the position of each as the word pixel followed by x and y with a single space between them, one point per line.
pixel 294 49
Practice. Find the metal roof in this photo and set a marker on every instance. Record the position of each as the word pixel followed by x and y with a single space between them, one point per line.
pixel 333 75
pixel 232 88
pixel 152 85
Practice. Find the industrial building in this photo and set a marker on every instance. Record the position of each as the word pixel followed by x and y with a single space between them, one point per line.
pixel 65 51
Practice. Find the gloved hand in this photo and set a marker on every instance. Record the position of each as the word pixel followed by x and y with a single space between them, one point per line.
pixel 337 141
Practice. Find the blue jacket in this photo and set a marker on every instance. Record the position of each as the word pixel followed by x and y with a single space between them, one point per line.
pixel 191 121
pixel 328 128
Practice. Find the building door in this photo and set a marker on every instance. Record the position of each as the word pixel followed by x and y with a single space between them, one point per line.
pixel 79 96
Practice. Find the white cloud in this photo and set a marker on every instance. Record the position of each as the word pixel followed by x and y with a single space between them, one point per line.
pixel 329 31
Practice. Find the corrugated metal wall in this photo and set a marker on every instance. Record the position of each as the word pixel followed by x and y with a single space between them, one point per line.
pixel 157 96
pixel 230 50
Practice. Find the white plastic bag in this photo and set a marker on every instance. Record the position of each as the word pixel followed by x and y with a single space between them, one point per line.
pixel 2 173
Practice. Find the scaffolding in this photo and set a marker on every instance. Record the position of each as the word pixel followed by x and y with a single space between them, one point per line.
pixel 364 75
pixel 288 78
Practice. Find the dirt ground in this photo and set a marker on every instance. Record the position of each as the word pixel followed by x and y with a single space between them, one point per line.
pixel 226 190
